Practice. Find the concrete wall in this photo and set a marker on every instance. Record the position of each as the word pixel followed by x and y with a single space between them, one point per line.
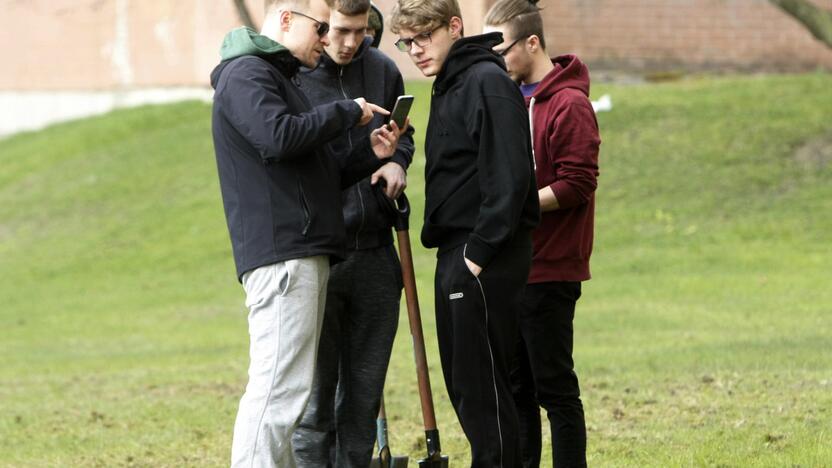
pixel 66 59
pixel 110 44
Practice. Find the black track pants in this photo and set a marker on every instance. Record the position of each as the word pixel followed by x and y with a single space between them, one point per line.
pixel 477 329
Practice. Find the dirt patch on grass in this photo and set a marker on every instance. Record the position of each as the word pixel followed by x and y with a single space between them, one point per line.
pixel 816 153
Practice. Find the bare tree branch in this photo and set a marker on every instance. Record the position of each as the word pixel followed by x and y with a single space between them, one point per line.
pixel 243 13
pixel 817 20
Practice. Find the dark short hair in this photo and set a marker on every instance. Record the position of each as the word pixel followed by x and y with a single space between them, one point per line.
pixel 521 17
pixel 352 7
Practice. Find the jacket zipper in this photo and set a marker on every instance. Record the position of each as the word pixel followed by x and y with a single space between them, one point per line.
pixel 361 204
pixel 344 93
pixel 531 131
pixel 306 217
pixel 349 139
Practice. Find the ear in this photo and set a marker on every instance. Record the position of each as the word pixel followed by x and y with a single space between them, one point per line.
pixel 533 43
pixel 456 27
pixel 285 20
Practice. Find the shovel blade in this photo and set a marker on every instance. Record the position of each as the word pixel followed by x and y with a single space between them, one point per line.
pixel 393 462
pixel 434 463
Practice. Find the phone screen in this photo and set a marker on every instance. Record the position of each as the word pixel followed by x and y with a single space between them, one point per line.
pixel 401 109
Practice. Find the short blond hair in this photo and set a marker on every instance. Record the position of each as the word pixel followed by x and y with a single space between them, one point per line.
pixel 423 15
pixel 270 5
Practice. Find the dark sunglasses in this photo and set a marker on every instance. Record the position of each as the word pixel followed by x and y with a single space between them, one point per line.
pixel 323 26
pixel 422 40
pixel 504 52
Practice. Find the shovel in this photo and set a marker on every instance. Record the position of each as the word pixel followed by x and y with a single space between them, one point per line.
pixel 399 212
pixel 384 459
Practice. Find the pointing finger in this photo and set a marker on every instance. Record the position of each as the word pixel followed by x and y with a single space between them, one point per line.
pixel 378 109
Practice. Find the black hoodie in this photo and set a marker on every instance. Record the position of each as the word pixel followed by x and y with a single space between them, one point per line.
pixel 479 179
pixel 281 184
pixel 374 76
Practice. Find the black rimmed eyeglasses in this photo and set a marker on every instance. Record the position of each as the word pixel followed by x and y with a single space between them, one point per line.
pixel 322 26
pixel 504 52
pixel 404 44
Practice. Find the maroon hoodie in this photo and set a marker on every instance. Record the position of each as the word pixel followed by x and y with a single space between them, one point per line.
pixel 565 143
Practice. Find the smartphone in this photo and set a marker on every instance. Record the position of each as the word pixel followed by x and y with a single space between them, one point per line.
pixel 401 109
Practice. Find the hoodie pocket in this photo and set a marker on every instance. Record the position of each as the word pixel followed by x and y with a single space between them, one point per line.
pixel 307 217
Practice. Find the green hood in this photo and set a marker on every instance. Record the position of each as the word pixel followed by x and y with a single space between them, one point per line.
pixel 246 41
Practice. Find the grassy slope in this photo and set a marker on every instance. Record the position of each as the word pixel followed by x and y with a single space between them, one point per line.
pixel 703 339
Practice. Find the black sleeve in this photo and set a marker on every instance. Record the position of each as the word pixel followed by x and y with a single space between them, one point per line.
pixel 501 125
pixel 257 108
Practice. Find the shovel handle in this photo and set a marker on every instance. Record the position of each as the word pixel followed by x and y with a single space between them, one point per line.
pixel 399 212
pixel 423 377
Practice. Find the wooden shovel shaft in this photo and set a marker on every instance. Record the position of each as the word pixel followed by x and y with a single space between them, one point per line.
pixel 415 317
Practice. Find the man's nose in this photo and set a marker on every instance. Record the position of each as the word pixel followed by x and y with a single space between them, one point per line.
pixel 349 41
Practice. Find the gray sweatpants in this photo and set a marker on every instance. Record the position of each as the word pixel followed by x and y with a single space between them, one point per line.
pixel 285 302
pixel 362 314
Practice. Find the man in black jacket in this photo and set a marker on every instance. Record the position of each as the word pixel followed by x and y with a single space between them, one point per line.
pixel 281 193
pixel 481 204
pixel 362 302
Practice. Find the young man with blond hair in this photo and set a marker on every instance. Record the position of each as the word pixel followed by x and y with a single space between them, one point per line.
pixel 363 293
pixel 281 194
pixel 480 207
pixel 565 141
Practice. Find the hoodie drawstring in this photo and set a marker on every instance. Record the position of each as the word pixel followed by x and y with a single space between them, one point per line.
pixel 531 131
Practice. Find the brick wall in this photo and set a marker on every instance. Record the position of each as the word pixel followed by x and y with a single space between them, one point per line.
pixel 687 34
pixel 123 44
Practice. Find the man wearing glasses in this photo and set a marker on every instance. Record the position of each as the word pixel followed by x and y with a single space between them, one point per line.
pixel 338 427
pixel 480 207
pixel 566 142
pixel 281 187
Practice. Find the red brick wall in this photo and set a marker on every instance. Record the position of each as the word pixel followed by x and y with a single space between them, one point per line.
pixel 688 34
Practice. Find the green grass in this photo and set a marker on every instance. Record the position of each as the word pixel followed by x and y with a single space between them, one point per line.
pixel 704 338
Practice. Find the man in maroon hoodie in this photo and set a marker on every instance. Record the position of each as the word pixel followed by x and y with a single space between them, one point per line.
pixel 565 145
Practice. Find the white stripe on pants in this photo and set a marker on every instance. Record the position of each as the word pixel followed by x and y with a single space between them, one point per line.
pixel 286 309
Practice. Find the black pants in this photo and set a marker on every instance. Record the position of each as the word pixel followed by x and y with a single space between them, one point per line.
pixel 543 375
pixel 477 327
pixel 362 313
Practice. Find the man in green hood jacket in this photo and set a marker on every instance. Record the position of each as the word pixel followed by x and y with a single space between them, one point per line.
pixel 281 187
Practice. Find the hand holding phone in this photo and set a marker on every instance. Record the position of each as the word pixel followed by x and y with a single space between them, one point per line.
pixel 400 110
